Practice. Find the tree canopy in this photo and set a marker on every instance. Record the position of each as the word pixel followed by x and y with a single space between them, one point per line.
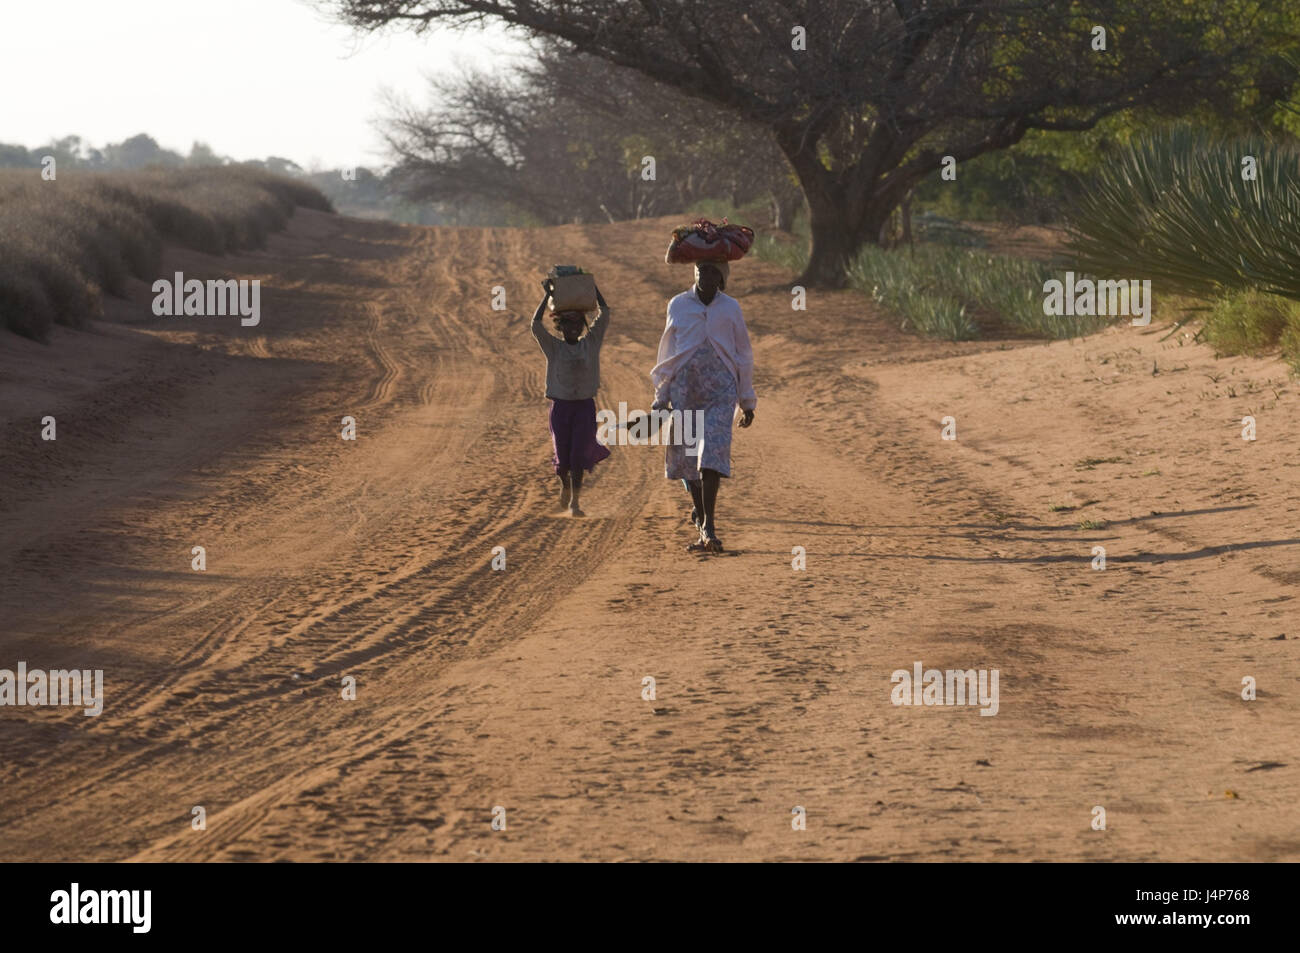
pixel 866 97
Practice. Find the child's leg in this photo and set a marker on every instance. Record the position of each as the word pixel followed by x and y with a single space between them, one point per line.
pixel 576 455
pixel 565 490
pixel 582 434
pixel 561 446
pixel 575 479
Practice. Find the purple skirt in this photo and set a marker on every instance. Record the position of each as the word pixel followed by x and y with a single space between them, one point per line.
pixel 573 435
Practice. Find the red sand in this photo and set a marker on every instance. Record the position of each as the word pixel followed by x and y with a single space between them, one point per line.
pixel 522 688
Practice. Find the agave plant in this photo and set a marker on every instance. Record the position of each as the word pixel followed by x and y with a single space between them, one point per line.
pixel 1174 207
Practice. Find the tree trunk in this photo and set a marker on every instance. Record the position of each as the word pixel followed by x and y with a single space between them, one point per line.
pixel 829 256
pixel 838 234
pixel 846 209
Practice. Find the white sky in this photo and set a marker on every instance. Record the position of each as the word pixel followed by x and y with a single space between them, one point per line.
pixel 251 78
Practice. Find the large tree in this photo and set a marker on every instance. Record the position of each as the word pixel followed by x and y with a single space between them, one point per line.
pixel 885 89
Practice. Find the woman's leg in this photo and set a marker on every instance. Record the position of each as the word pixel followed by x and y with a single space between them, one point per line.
pixel 697 501
pixel 709 482
pixel 565 491
pixel 677 464
pixel 715 455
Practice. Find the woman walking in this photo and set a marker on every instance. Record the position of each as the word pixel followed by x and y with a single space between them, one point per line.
pixel 705 364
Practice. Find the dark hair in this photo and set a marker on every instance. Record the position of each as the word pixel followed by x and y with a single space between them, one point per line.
pixel 560 318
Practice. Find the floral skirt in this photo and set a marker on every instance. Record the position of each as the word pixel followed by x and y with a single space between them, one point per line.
pixel 704 383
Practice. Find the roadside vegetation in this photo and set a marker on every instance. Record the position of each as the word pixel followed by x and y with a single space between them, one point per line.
pixel 66 242
pixel 1213 222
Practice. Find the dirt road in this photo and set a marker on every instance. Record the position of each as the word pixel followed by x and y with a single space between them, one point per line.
pixel 522 689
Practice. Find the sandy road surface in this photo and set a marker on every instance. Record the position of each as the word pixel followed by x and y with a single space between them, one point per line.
pixel 1118 688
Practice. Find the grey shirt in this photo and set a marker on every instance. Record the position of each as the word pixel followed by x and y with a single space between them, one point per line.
pixel 572 370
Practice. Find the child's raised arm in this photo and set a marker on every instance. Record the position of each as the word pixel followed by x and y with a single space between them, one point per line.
pixel 599 325
pixel 544 340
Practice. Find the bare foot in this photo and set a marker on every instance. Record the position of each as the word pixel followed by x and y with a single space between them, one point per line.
pixel 565 495
pixel 575 511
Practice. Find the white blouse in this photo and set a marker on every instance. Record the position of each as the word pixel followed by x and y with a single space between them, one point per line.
pixel 690 323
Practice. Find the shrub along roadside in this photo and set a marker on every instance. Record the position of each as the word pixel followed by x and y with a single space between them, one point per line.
pixel 939 291
pixel 941 286
pixel 1214 220
pixel 63 243
pixel 1195 215
pixel 1250 322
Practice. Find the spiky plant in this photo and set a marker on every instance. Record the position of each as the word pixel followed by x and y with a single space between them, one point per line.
pixel 1175 207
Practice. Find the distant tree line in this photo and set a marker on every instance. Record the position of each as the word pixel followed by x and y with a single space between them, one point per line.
pixel 138 152
pixel 362 192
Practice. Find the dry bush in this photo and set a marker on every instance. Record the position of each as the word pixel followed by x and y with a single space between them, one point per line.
pixel 64 242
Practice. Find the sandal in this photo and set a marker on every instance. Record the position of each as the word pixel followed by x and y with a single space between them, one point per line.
pixel 705 544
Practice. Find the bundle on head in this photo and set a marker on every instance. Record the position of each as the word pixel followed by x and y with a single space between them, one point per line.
pixel 701 240
pixel 572 289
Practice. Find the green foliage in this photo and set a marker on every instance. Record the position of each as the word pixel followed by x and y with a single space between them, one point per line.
pixel 929 227
pixel 905 282
pixel 1034 180
pixel 1290 344
pixel 940 291
pixel 1008 186
pixel 791 255
pixel 1174 208
pixel 1249 322
pixel 930 314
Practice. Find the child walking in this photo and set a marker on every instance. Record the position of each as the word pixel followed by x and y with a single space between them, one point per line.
pixel 572 378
